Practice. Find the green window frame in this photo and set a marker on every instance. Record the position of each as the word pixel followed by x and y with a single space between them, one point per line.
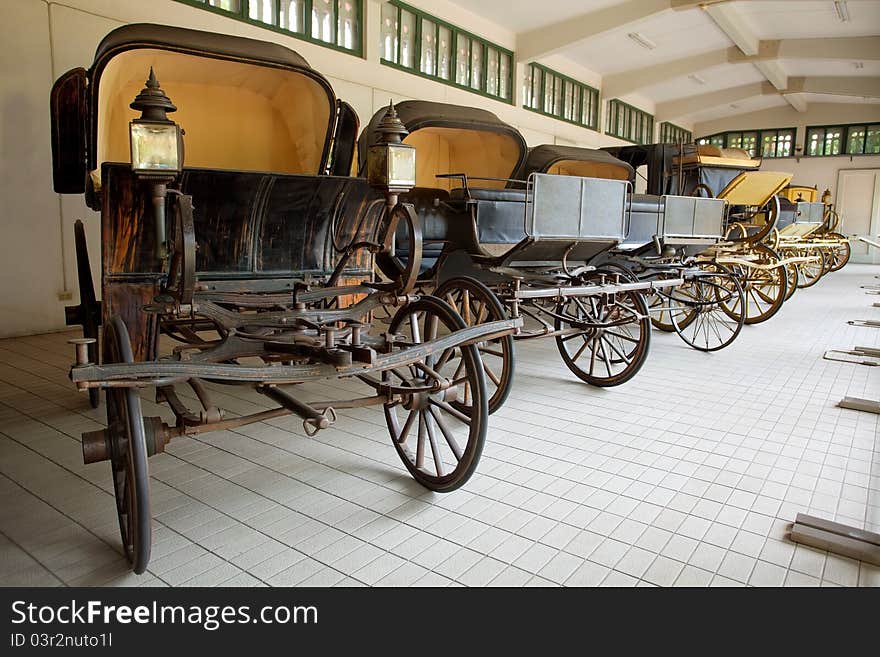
pixel 629 123
pixel 844 139
pixel 765 143
pixel 414 41
pixel 551 93
pixel 674 134
pixel 337 24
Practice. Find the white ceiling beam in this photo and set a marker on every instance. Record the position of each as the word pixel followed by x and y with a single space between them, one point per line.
pixel 549 39
pixel 796 101
pixel 846 48
pixel 861 86
pixel 673 109
pixel 734 27
pixel 626 82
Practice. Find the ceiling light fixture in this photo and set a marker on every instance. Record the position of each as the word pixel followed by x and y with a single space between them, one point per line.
pixel 859 65
pixel 642 40
pixel 696 78
pixel 842 10
pixel 734 106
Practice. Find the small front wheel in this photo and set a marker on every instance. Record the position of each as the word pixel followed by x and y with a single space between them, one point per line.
pixel 437 413
pixel 604 339
pixel 128 454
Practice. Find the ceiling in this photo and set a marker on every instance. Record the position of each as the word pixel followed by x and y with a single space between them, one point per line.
pixel 709 59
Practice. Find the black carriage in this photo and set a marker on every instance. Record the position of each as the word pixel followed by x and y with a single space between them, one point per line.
pixel 253 264
pixel 501 242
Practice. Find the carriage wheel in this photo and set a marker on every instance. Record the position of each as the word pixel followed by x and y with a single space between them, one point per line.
pixel 809 273
pixel 476 304
pixel 89 309
pixel 764 290
pixel 791 277
pixel 839 252
pixel 709 327
pixel 604 355
pixel 674 314
pixel 438 435
pixel 128 453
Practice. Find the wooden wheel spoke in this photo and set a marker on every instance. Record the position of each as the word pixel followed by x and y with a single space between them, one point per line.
pixel 454 412
pixel 447 434
pixel 494 377
pixel 404 432
pixel 432 439
pixel 420 444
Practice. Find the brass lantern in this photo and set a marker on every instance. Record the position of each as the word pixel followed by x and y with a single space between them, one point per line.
pixel 391 164
pixel 156 150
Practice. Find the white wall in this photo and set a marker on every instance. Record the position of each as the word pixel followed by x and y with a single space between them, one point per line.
pixel 41 39
pixel 819 171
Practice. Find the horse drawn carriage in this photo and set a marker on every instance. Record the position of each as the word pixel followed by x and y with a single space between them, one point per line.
pixel 503 240
pixel 251 265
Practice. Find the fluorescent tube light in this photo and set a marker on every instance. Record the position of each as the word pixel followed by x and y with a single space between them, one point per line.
pixel 696 78
pixel 642 40
pixel 842 10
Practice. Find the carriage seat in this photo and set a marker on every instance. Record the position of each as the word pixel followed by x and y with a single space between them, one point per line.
pixel 499 214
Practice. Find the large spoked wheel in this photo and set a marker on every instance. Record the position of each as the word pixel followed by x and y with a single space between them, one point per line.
pixel 128 453
pixel 668 313
pixel 439 434
pixel 811 271
pixel 477 304
pixel 702 300
pixel 840 253
pixel 764 287
pixel 606 338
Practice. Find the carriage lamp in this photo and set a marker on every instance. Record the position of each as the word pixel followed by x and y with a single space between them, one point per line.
pixel 391 164
pixel 156 150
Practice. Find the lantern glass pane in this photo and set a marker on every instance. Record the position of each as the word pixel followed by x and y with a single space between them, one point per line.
pixel 154 147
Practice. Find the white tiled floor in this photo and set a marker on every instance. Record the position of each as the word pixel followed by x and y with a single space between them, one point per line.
pixel 688 475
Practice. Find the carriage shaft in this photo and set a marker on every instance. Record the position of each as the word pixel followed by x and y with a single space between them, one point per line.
pixel 593 290
pixel 146 373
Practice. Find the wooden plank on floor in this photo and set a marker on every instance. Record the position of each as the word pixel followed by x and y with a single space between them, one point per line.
pixel 857 404
pixel 843 545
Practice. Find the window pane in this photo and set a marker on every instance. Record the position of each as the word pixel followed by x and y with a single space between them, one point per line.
pixel 323 20
pixel 832 141
pixel 262 10
pixel 569 108
pixel 293 15
pixel 347 29
pixel 428 54
pixel 462 59
pixel 814 142
pixel 444 53
pixel 407 38
pixel 388 45
pixel 476 65
pixel 549 82
pixel 228 5
pixel 492 71
pixel 784 144
pixel 537 88
pixel 855 140
pixel 504 76
pixel 872 140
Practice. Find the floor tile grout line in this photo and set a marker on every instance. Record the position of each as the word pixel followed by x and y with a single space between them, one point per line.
pixel 23 548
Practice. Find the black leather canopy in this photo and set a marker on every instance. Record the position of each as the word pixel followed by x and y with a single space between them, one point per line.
pixel 419 114
pixel 541 158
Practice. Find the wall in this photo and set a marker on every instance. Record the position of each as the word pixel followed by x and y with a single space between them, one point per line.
pixel 819 171
pixel 41 39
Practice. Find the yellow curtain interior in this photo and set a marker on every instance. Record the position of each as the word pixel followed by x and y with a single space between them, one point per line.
pixel 454 150
pixel 589 170
pixel 236 116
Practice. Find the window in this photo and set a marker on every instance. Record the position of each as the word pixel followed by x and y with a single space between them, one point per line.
pixel 629 123
pixel 673 134
pixel 854 139
pixel 422 44
pixel 554 94
pixel 776 142
pixel 333 23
